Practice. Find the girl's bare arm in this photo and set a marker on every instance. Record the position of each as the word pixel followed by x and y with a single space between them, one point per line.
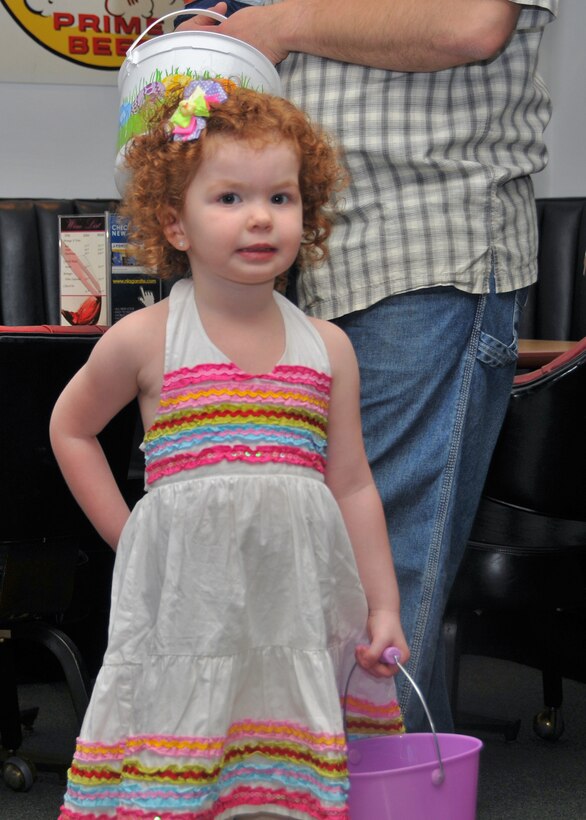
pixel 349 477
pixel 104 385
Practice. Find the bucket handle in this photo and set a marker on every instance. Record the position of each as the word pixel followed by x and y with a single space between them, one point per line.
pixel 204 12
pixel 392 655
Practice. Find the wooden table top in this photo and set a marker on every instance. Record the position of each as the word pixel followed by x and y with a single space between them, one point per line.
pixel 537 352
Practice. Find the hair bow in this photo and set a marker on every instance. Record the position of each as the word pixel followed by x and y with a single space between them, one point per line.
pixel 189 118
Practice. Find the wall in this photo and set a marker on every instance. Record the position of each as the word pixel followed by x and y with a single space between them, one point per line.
pixel 47 128
pixel 563 66
pixel 61 144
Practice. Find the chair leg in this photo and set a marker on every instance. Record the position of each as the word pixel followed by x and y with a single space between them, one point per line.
pixel 552 684
pixel 10 728
pixel 452 643
pixel 66 653
pixel 549 723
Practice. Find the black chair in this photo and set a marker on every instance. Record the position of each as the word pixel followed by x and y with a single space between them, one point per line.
pixel 520 592
pixel 47 546
pixel 556 307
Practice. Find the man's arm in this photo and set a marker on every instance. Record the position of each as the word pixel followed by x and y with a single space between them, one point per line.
pixel 401 35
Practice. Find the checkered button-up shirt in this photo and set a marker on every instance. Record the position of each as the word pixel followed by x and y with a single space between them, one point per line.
pixel 439 163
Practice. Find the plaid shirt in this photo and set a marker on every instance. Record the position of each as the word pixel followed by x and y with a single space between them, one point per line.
pixel 439 162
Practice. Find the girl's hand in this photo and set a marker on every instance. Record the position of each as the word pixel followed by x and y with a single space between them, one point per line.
pixel 384 629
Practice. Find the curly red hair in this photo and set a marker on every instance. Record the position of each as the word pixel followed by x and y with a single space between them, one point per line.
pixel 161 170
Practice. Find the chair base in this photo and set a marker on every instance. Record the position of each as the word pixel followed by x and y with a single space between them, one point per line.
pixel 18 773
pixel 547 724
pixel 473 724
pixel 17 770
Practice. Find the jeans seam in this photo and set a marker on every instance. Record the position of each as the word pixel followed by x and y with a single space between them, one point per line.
pixel 430 581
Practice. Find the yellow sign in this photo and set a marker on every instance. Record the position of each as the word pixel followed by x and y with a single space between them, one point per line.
pixel 90 33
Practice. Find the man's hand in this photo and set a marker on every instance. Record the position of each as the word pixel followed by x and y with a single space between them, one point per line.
pixel 197 21
pixel 256 25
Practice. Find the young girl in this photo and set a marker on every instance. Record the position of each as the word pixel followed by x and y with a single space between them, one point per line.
pixel 257 567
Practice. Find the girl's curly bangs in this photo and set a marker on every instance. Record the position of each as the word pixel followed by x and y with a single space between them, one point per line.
pixel 161 170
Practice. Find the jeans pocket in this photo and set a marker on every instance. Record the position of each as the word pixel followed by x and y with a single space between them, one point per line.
pixel 491 349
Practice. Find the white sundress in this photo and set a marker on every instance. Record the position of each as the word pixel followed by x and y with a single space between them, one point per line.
pixel 236 603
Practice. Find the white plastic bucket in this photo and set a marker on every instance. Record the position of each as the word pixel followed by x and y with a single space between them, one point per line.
pixel 154 67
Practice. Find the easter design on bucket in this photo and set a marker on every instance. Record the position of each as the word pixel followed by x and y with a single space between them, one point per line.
pixel 160 68
pixel 136 109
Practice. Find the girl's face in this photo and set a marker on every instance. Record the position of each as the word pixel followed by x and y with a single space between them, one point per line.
pixel 242 219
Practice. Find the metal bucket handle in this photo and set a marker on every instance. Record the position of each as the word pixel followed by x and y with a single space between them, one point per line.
pixel 391 655
pixel 204 12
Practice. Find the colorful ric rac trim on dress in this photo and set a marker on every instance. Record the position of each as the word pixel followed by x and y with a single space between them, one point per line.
pixel 216 412
pixel 264 764
pixel 366 719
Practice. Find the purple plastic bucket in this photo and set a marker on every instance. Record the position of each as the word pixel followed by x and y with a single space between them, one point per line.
pixel 398 777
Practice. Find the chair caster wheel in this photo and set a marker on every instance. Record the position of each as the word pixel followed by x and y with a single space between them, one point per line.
pixel 19 774
pixel 549 724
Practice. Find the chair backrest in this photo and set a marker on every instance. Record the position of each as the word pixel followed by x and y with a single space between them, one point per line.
pixel 29 264
pixel 35 365
pixel 556 307
pixel 540 457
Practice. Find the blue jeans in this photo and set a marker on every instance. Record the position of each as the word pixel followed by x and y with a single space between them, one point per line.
pixel 436 371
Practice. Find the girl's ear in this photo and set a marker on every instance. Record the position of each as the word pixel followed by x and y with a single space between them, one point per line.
pixel 173 229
